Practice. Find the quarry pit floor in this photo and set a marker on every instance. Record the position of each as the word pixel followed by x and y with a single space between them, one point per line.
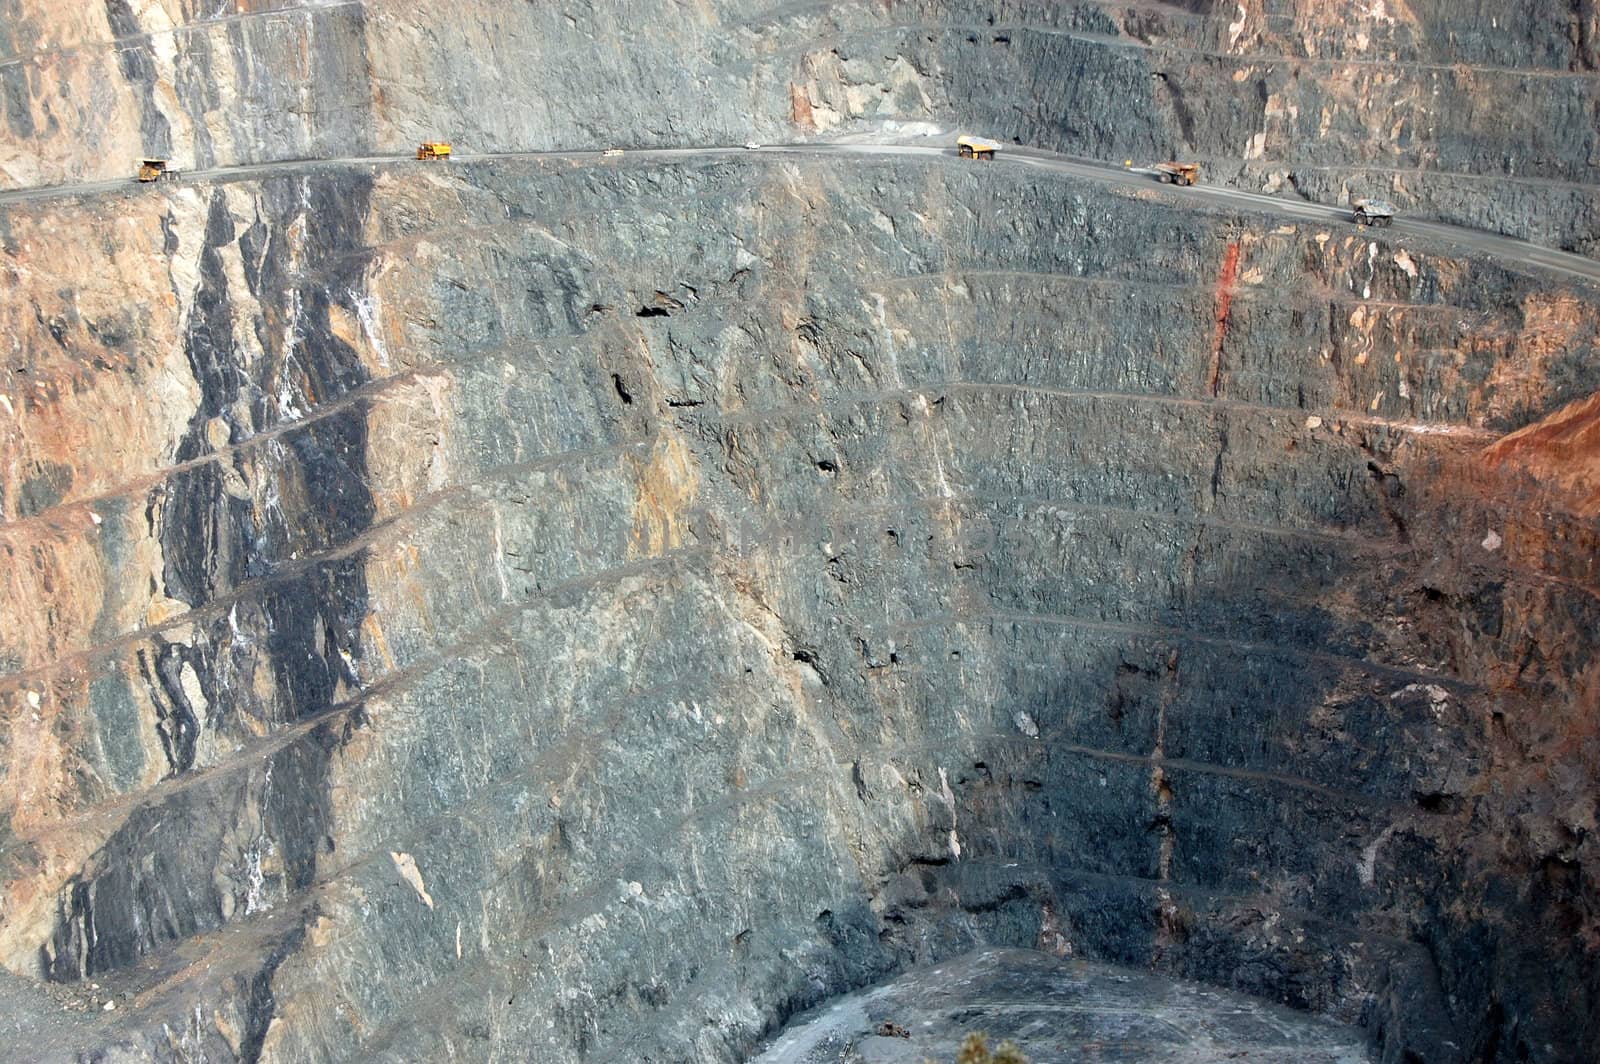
pixel 1058 1011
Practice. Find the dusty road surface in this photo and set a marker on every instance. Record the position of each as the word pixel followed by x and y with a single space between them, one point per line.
pixel 1504 249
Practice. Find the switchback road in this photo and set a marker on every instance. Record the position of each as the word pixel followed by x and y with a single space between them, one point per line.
pixel 1504 249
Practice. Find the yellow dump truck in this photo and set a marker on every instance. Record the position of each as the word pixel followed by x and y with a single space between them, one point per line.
pixel 434 149
pixel 975 148
pixel 156 170
pixel 1177 173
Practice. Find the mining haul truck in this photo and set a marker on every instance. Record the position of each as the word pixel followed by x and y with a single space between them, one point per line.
pixel 1178 173
pixel 976 148
pixel 1373 212
pixel 434 149
pixel 156 170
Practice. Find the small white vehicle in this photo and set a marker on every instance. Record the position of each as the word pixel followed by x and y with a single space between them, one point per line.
pixel 751 145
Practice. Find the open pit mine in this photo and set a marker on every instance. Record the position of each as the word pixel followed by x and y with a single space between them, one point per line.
pixel 733 530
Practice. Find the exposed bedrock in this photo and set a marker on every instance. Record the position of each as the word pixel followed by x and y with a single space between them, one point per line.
pixel 598 612
pixel 1482 113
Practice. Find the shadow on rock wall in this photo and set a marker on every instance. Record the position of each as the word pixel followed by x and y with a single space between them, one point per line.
pixel 1257 784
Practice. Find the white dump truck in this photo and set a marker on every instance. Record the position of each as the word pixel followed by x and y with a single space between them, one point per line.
pixel 1375 212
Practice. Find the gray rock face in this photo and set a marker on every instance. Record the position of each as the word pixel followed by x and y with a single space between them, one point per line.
pixel 597 610
pixel 626 631
pixel 1483 114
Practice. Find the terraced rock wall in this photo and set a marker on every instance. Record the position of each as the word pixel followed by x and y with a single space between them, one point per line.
pixel 597 610
pixel 1482 114
pixel 607 609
